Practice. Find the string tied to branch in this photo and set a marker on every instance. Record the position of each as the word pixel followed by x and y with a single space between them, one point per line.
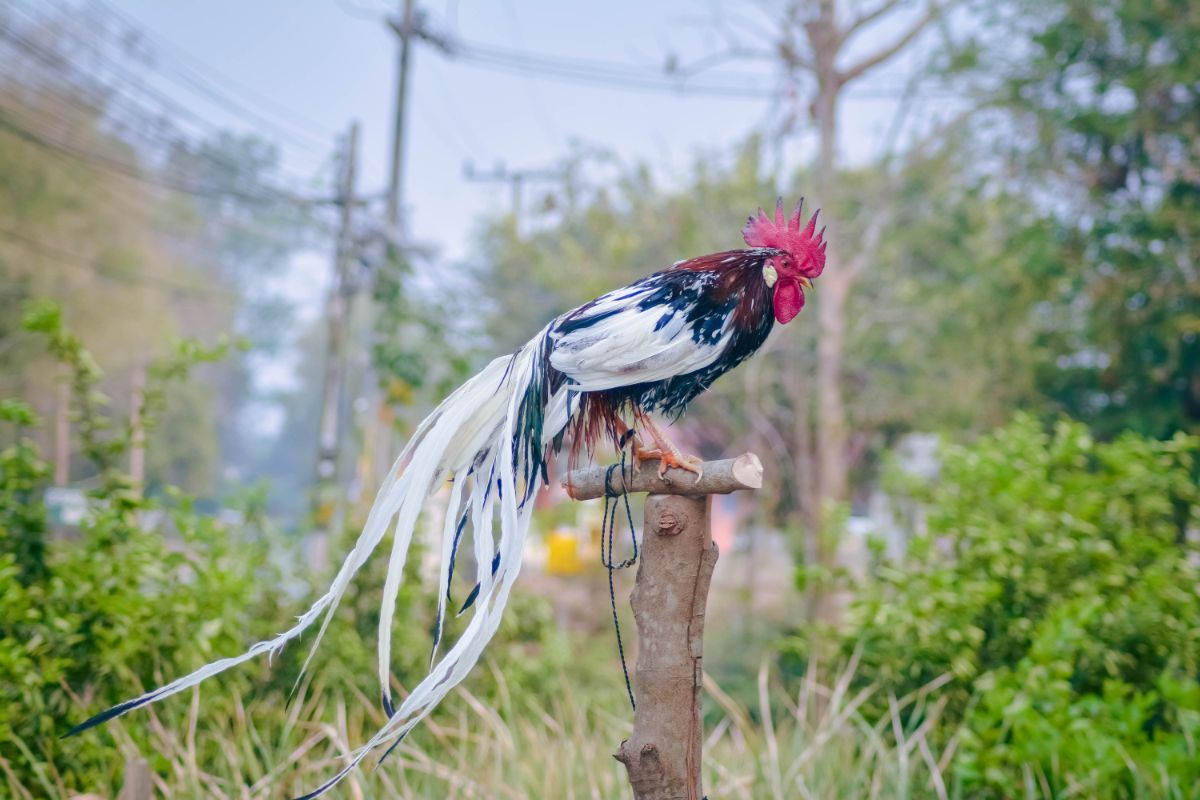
pixel 608 531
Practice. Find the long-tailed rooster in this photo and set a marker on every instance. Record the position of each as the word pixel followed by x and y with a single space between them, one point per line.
pixel 651 346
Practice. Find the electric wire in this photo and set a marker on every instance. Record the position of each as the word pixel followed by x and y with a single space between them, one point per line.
pixel 628 76
pixel 133 208
pixel 120 167
pixel 79 262
pixel 186 70
pixel 615 75
pixel 129 80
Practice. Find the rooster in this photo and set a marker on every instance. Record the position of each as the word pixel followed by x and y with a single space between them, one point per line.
pixel 593 374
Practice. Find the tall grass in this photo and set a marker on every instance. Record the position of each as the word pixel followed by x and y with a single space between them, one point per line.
pixel 812 741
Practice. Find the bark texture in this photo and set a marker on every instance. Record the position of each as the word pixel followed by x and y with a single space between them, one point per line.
pixel 669 598
pixel 720 477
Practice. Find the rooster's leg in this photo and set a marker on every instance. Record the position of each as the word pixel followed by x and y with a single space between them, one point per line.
pixel 628 436
pixel 668 454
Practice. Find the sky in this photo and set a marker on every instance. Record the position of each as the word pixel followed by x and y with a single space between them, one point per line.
pixel 311 67
pixel 327 62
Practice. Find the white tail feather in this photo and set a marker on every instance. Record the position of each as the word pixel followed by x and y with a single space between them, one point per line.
pixel 473 437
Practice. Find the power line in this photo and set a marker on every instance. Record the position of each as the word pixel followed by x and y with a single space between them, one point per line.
pixel 532 86
pixel 124 168
pixel 79 262
pixel 609 74
pixel 50 58
pixel 205 72
pixel 186 70
pixel 615 75
pixel 130 206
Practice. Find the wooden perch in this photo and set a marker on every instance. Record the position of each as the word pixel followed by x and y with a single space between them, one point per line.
pixel 670 595
pixel 720 477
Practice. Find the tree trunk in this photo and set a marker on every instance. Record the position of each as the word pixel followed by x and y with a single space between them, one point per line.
pixel 832 470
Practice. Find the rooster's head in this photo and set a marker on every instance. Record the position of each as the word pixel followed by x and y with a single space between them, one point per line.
pixel 799 256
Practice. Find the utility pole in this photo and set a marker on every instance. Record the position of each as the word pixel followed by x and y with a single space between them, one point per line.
pixel 378 446
pixel 341 292
pixel 410 24
pixel 404 28
pixel 516 180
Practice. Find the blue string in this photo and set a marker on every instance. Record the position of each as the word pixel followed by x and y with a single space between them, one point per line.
pixel 608 529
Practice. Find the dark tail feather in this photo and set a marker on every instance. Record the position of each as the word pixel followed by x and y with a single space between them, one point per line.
pixel 388 752
pixel 334 781
pixel 474 595
pixel 388 708
pixel 105 716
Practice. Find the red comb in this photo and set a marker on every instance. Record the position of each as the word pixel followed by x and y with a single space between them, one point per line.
pixel 806 247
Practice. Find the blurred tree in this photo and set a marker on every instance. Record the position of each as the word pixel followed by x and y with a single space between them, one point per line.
pixel 1111 91
pixel 79 235
pixel 1054 594
pixel 143 232
pixel 943 332
pixel 243 231
pixel 823 49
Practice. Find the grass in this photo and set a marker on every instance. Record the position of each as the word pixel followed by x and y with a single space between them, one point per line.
pixel 811 742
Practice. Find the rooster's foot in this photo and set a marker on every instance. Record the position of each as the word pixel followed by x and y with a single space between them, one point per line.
pixel 668 459
pixel 678 460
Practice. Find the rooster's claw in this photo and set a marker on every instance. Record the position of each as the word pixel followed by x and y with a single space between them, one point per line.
pixel 668 460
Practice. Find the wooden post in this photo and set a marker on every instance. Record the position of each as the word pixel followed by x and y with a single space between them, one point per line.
pixel 670 594
pixel 139 780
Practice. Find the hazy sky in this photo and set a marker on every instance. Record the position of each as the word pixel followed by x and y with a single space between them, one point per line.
pixel 331 61
pixel 327 62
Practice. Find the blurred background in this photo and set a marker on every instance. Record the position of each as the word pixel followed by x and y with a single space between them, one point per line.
pixel 246 246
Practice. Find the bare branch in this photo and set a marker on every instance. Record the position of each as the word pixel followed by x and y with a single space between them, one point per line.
pixel 885 208
pixel 867 17
pixel 725 25
pixel 870 62
pixel 731 53
pixel 758 28
pixel 870 241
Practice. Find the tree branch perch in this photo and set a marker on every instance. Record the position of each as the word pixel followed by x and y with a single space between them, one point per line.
pixel 720 477
pixel 663 752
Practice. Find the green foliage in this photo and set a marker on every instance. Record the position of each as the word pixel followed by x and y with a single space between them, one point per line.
pixel 22 517
pixel 174 263
pixel 942 326
pixel 414 351
pixel 118 606
pixel 944 330
pixel 90 618
pixel 1058 583
pixel 1110 89
pixel 593 240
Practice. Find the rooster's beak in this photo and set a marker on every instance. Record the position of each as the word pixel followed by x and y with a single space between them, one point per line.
pixel 806 283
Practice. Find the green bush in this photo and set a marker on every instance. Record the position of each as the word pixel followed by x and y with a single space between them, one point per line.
pixel 1057 582
pixel 90 617
pixel 93 617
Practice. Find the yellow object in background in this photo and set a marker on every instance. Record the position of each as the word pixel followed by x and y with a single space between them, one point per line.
pixel 562 553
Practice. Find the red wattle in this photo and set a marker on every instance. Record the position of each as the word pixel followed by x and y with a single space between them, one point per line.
pixel 789 299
